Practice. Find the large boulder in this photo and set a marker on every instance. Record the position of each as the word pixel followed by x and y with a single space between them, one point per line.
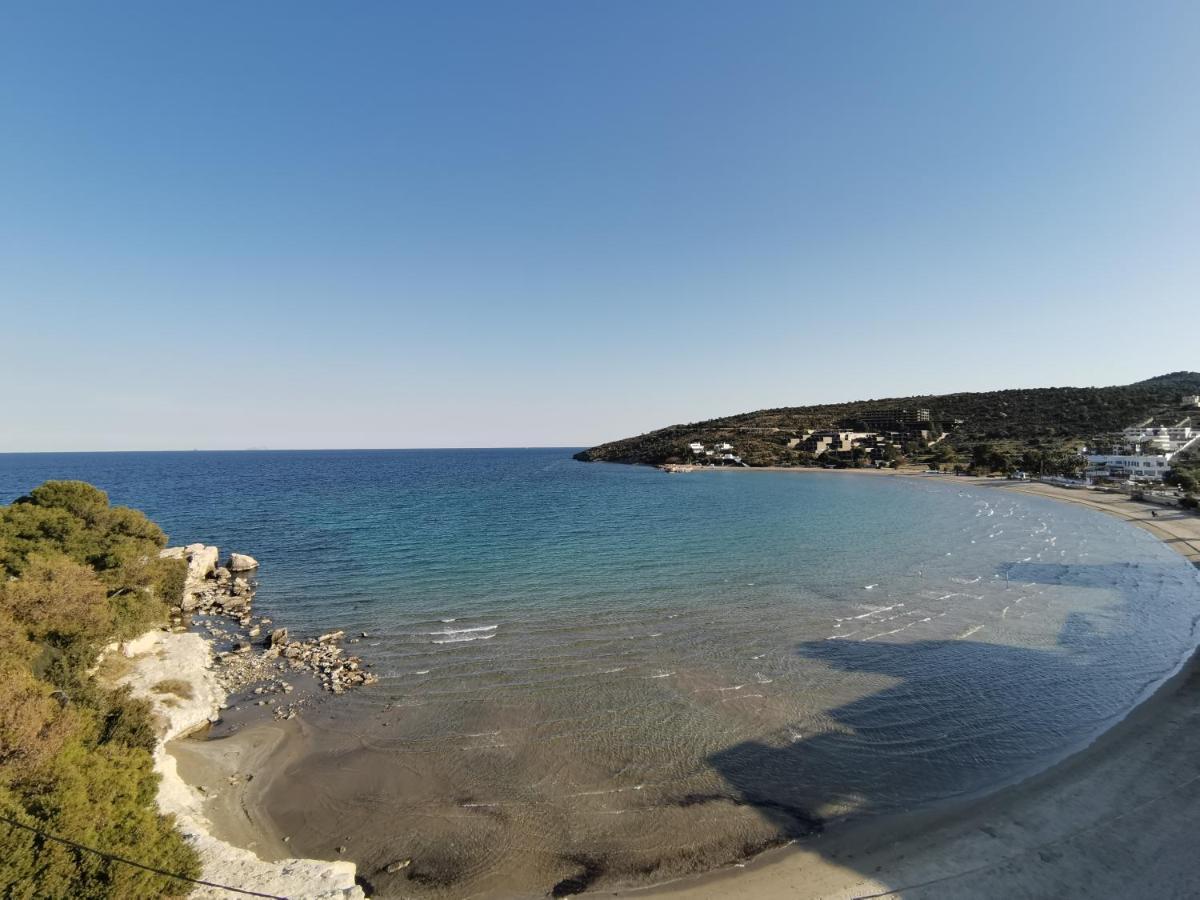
pixel 240 562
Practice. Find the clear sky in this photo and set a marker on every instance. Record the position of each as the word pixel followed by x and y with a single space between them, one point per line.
pixel 384 224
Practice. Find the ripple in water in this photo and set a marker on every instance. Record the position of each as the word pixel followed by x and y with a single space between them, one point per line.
pixel 598 675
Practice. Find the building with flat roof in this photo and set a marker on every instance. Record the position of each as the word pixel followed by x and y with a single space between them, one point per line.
pixel 1129 466
pixel 897 418
pixel 1163 438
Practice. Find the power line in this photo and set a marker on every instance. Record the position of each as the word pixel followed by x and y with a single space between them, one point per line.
pixel 137 865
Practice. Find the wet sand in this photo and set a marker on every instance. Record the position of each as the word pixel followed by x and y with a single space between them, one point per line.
pixel 231 774
pixel 1115 819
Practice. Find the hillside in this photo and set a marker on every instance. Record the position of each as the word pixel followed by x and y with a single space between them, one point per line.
pixel 1040 419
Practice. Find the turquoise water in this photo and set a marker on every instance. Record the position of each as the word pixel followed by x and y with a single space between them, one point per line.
pixel 654 673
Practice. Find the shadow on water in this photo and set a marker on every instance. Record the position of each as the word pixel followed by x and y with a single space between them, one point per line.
pixel 954 716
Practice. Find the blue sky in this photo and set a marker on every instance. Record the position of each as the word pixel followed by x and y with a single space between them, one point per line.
pixel 226 225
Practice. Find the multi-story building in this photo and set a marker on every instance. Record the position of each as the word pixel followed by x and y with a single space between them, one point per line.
pixel 1166 438
pixel 1146 451
pixel 844 442
pixel 897 418
pixel 1147 467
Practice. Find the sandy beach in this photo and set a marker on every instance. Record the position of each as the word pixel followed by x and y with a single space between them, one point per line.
pixel 1115 819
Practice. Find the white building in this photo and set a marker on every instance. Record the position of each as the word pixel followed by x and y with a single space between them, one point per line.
pixel 1190 400
pixel 1167 438
pixel 1148 467
pixel 696 447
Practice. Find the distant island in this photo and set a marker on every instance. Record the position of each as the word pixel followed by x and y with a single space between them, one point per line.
pixel 1039 430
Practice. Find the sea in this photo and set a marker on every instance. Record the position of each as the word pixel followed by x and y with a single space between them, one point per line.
pixel 596 675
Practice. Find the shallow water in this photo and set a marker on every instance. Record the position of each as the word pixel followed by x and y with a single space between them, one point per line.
pixel 609 674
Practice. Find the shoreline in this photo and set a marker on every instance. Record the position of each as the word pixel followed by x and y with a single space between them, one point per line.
pixel 1048 833
pixel 173 671
pixel 1175 527
pixel 869 859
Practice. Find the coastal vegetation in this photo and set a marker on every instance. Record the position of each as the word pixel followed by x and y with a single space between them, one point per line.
pixel 1037 429
pixel 76 759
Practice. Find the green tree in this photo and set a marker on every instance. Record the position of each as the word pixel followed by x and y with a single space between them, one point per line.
pixel 76 759
pixel 1183 480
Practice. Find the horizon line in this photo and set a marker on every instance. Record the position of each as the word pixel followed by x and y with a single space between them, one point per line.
pixel 304 449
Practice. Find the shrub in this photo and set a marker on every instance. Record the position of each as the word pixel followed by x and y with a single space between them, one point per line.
pixel 176 686
pixel 102 797
pixel 76 759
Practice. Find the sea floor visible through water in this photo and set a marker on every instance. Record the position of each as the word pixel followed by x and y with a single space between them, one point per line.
pixel 599 676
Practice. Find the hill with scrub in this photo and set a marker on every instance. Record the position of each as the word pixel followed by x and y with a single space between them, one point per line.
pixel 1013 424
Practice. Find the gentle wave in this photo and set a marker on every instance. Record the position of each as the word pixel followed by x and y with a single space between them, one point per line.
pixel 466 630
pixel 460 638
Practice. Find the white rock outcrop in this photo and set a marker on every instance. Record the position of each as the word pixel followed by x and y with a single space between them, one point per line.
pixel 160 657
pixel 240 562
pixel 202 562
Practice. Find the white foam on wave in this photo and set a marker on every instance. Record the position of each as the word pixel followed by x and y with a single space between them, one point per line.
pixel 662 674
pixel 870 587
pixel 466 630
pixel 449 620
pixel 461 638
pixel 874 612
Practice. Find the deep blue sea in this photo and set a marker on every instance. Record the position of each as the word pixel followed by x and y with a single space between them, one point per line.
pixel 671 668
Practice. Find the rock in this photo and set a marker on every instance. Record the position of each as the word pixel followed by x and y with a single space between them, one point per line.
pixel 278 637
pixel 202 561
pixel 241 647
pixel 222 574
pixel 398 865
pixel 240 562
pixel 330 636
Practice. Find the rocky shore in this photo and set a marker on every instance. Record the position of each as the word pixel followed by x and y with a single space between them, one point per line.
pixel 218 599
pixel 215 646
